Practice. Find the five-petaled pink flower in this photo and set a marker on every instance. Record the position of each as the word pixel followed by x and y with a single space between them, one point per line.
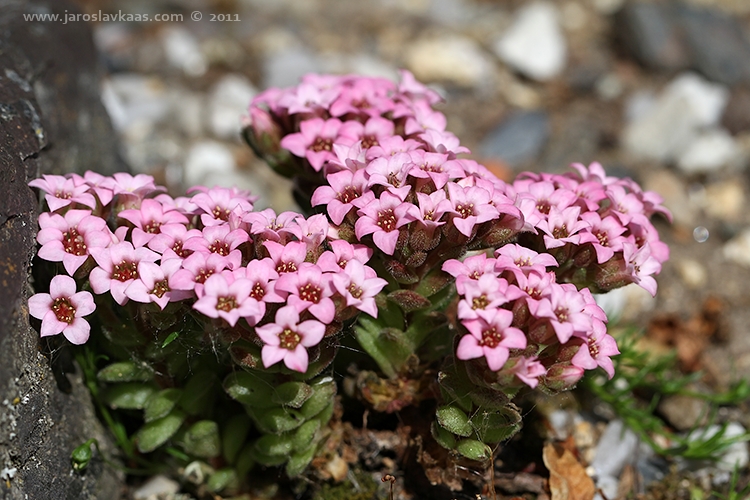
pixel 287 339
pixel 227 298
pixel 69 238
pixel 491 336
pixel 62 310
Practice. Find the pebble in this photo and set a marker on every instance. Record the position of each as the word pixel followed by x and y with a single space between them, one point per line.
pixel 183 51
pixel 736 455
pixel 684 412
pixel 451 58
pixel 674 190
pixel 616 448
pixel 209 163
pixel 725 200
pixel 134 100
pixel 692 272
pixel 286 66
pixel 156 487
pixel 737 114
pixel 534 44
pixel 709 151
pixel 519 139
pixel 189 112
pixel 228 101
pixel 664 129
pixel 737 249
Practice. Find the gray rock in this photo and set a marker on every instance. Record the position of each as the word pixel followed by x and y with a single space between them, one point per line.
pixel 286 66
pixel 718 44
pixel 684 412
pixel 652 35
pixel 519 139
pixel 737 113
pixel 534 45
pixel 183 51
pixel 40 423
pixel 709 151
pixel 209 163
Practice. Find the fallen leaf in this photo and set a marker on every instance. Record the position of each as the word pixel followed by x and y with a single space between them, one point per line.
pixel 568 479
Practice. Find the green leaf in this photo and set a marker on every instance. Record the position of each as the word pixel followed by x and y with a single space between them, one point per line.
pixel 433 282
pixel 275 445
pixel 202 439
pixel 278 420
pixel 126 371
pixel 170 338
pixel 223 479
pixel 156 433
pixel 444 437
pixel 199 394
pixel 305 435
pixel 299 461
pixel 292 394
pixel 127 396
pixel 81 455
pixel 233 436
pixel 323 392
pixel 474 450
pixel 245 460
pixel 455 420
pixel 160 403
pixel 249 389
pixel 493 426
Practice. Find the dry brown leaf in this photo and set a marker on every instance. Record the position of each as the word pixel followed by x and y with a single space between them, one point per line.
pixel 568 479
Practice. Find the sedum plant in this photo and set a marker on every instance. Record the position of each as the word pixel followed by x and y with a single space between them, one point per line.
pixel 217 327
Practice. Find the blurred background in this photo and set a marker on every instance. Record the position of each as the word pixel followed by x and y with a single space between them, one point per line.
pixel 658 91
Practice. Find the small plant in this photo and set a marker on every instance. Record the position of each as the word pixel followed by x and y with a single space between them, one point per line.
pixel 216 328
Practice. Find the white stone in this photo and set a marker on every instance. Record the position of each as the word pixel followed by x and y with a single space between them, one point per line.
pixel 156 487
pixel 615 449
pixel 286 66
pixel 229 100
pixel 189 112
pixel 451 58
pixel 662 129
pixel 735 455
pixel 534 44
pixel 134 100
pixel 209 163
pixel 183 51
pixel 737 249
pixel 692 272
pixel 709 151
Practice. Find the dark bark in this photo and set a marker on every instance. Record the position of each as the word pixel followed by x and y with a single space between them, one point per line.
pixel 51 121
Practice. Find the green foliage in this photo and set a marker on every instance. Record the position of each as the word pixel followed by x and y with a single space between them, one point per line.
pixel 361 487
pixel 638 372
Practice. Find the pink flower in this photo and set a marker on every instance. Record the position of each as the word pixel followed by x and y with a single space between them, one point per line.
pixel 596 350
pixel 287 258
pixel 218 202
pixel 100 185
pixel 369 134
pixel 521 260
pixel 314 141
pixel 149 218
pixel 434 166
pixel 341 253
pixel 196 269
pixel 309 289
pixel 564 306
pixel 528 370
pixel 170 240
pixel 471 268
pixel 221 240
pixel 491 336
pixel 413 89
pixel 227 298
pixel 484 295
pixel 471 206
pixel 118 268
pixel 358 287
pixel 342 194
pixel 564 226
pixel 382 218
pixel 266 225
pixel 61 192
pixel 62 310
pixel 287 338
pixel 155 284
pixel 608 232
pixel 69 239
pixel 391 172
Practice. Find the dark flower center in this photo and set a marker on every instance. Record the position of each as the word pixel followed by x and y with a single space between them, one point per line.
pixel 322 144
pixel 593 348
pixel 289 339
pixel 310 293
pixel 560 232
pixel 286 267
pixel 73 242
pixel 226 304
pixel 160 288
pixel 203 275
pixel 369 141
pixel 64 310
pixel 466 210
pixel 152 227
pixel 181 252
pixel 387 220
pixel 220 213
pixel 258 292
pixel 491 338
pixel 219 247
pixel 348 194
pixel 125 271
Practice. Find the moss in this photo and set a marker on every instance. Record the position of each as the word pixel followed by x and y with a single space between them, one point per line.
pixel 365 489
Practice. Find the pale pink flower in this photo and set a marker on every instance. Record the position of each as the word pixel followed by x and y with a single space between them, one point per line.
pixel 218 202
pixel 309 289
pixel 471 268
pixel 221 240
pixel 62 192
pixel 155 284
pixel 227 298
pixel 564 306
pixel 149 218
pixel 382 218
pixel 484 295
pixel 490 336
pixel 69 239
pixel 528 370
pixel 341 253
pixel 342 194
pixel 314 141
pixel 596 350
pixel 287 339
pixel 170 240
pixel 118 268
pixel 286 258
pixel 62 310
pixel 359 287
pixel 471 206
pixel 196 269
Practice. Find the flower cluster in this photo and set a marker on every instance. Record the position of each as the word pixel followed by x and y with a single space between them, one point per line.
pixel 290 279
